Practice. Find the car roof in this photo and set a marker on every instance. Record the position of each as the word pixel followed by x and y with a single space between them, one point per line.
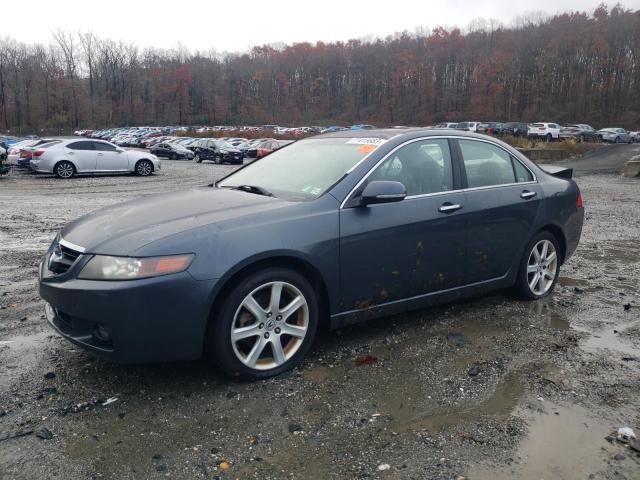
pixel 388 133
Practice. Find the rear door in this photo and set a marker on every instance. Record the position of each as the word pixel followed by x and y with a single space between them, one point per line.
pixel 83 155
pixel 394 251
pixel 110 158
pixel 502 203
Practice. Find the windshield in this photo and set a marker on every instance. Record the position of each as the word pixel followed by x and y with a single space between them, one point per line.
pixel 303 170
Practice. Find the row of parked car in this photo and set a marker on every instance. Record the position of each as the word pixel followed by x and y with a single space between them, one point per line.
pixel 219 150
pixel 548 131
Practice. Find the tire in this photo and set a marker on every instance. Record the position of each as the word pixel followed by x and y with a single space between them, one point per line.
pixel 549 137
pixel 197 158
pixel 618 140
pixel 174 156
pixel 580 138
pixel 530 268
pixel 64 170
pixel 144 168
pixel 216 160
pixel 252 357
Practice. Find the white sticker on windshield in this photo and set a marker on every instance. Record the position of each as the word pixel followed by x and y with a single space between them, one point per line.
pixel 366 141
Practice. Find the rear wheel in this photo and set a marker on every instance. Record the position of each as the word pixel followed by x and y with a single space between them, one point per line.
pixel 197 158
pixel 174 156
pixel 549 137
pixel 539 267
pixel 144 168
pixel 265 326
pixel 64 169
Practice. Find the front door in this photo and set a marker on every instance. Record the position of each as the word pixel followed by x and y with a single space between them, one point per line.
pixel 110 158
pixel 416 246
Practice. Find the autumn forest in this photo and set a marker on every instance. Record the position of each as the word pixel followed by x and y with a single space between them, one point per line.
pixel 574 67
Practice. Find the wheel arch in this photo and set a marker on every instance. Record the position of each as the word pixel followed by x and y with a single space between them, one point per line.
pixel 282 260
pixel 558 233
pixel 135 165
pixel 58 162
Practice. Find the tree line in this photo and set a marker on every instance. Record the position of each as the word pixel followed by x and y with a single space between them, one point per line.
pixel 571 67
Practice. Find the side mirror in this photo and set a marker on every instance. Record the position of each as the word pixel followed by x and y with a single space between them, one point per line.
pixel 119 150
pixel 382 191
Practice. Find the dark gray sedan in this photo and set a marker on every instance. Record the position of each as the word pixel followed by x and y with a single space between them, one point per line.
pixel 330 230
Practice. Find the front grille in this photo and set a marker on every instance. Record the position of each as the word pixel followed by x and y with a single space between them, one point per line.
pixel 61 259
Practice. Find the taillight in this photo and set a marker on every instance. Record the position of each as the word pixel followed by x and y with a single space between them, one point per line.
pixel 25 154
pixel 37 153
pixel 579 201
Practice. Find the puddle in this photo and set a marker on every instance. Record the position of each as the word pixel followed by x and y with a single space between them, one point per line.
pixel 566 445
pixel 606 339
pixel 572 282
pixel 625 251
pixel 499 404
pixel 320 373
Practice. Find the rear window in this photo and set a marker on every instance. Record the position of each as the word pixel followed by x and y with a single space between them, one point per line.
pixel 81 146
pixel 537 125
pixel 49 144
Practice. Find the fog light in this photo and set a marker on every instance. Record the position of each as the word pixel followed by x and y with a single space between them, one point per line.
pixel 101 333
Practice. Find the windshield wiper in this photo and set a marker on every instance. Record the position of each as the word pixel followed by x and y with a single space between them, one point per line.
pixel 252 189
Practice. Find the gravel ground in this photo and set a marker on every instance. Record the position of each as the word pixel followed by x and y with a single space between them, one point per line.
pixel 488 388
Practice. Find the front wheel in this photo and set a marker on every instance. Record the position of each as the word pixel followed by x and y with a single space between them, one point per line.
pixel 144 168
pixel 197 158
pixel 265 326
pixel 539 267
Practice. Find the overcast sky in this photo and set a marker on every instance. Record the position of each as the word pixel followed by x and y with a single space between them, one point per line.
pixel 237 26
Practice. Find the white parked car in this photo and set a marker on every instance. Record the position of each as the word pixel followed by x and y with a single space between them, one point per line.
pixel 66 158
pixel 468 126
pixel 548 131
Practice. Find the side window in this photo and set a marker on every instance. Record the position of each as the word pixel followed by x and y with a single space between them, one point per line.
pixel 104 147
pixel 486 164
pixel 422 167
pixel 522 173
pixel 81 146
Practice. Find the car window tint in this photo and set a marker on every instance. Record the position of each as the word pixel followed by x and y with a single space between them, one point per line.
pixel 422 167
pixel 81 146
pixel 486 164
pixel 104 147
pixel 522 173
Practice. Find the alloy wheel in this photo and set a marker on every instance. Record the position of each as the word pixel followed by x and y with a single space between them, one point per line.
pixel 144 169
pixel 270 325
pixel 65 170
pixel 542 267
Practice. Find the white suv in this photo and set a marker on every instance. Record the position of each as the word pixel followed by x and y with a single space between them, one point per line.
pixel 548 131
pixel 66 158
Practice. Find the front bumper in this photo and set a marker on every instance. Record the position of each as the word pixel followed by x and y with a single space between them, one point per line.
pixel 148 320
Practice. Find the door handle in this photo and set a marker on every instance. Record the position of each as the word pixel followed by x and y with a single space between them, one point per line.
pixel 100 154
pixel 527 194
pixel 448 207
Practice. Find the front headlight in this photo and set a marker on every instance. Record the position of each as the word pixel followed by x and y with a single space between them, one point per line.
pixel 103 267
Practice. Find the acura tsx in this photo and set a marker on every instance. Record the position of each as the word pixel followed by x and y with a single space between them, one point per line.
pixel 330 230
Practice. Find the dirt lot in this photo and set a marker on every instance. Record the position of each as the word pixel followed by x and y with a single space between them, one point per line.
pixel 491 388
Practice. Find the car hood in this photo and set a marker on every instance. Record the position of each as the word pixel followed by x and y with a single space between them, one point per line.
pixel 126 227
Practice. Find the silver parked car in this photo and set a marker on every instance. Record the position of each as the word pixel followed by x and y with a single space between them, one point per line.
pixel 66 158
pixel 615 135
